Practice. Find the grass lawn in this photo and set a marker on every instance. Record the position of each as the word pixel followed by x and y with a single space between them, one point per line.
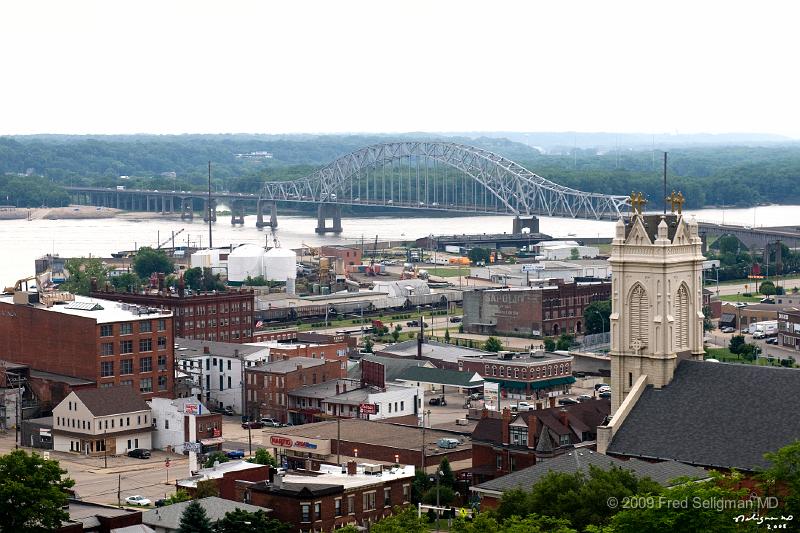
pixel 725 355
pixel 446 272
pixel 740 298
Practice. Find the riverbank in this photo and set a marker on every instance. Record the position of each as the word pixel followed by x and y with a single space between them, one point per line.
pixel 79 212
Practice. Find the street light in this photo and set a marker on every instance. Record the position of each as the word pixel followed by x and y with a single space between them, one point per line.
pixel 602 322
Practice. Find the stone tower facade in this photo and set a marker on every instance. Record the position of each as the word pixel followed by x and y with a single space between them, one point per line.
pixel 656 300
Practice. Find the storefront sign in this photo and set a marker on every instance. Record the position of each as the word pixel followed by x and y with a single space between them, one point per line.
pixel 301 444
pixel 368 408
pixel 491 395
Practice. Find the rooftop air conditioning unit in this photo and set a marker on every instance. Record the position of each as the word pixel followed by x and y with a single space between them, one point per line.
pixel 462 421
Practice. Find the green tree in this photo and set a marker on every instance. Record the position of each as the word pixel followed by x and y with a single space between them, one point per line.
pixel 258 281
pixel 670 519
pixel 203 279
pixel 195 520
pixel 81 271
pixel 735 344
pixel 749 352
pixel 549 344
pixel 574 254
pixel 395 334
pixel 403 520
pixel 447 336
pixel 784 472
pixel 33 493
pixel 147 261
pixel 420 484
pixel 532 523
pixel 564 342
pixel 478 255
pixel 446 476
pixel 206 488
pixel 767 288
pixel 128 282
pixel 595 316
pixel 707 324
pixel 263 457
pixel 240 521
pixel 214 457
pixel 349 528
pixel 178 496
pixel 446 495
pixel 493 344
pixel 368 344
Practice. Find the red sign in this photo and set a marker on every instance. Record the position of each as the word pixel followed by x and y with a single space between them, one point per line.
pixel 216 432
pixel 166 463
pixel 368 408
pixel 282 442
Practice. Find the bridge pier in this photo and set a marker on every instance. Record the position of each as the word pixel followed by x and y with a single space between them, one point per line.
pixel 521 223
pixel 332 211
pixel 273 215
pixel 210 210
pixel 187 209
pixel 237 213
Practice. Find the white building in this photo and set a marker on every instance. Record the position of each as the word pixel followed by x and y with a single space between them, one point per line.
pixel 216 259
pixel 170 421
pixel 535 274
pixel 111 420
pixel 216 369
pixel 560 250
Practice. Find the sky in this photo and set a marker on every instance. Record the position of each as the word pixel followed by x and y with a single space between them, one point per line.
pixel 164 67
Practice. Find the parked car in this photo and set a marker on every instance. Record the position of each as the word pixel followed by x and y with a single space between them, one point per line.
pixel 137 500
pixel 139 453
pixel 270 423
pixel 598 386
pixel 605 394
pixel 228 411
pixel 727 329
pixel 476 396
pixel 759 335
pixel 524 406
pixel 234 454
pixel 253 424
pixel 584 397
pixel 437 401
pixel 772 340
pixel 455 319
pixel 161 502
pixel 604 388
pixel 567 401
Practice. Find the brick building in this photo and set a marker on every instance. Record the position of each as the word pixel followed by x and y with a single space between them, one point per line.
pixel 516 441
pixel 741 316
pixel 350 256
pixel 327 499
pixel 789 329
pixel 541 311
pixel 224 477
pixel 101 341
pixel 336 351
pixel 216 316
pixel 267 386
pixel 522 376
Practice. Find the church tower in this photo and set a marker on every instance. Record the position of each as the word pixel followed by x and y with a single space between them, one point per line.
pixel 656 299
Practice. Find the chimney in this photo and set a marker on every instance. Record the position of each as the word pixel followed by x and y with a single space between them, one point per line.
pixel 539 406
pixel 181 286
pixel 506 421
pixel 344 387
pixel 352 468
pixel 532 423
pixel 236 352
pixel 563 416
pixel 206 349
pixel 484 412
pixel 299 367
pixel 552 402
pixel 161 281
pixel 93 284
pixel 419 346
pixel 337 388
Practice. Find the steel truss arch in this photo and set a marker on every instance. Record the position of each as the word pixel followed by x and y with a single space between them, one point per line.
pixel 518 190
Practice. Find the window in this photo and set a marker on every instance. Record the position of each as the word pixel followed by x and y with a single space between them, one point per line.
pixel 146 385
pixel 162 383
pixel 106 330
pixel 106 369
pixel 214 361
pixel 406 493
pixel 351 504
pixel 229 364
pixel 369 501
pixel 502 370
pixel 682 318
pixel 162 324
pixel 499 461
pixel 317 511
pixel 107 348
pixel 220 383
pixel 125 328
pixel 402 405
pixel 638 306
pixel 139 420
pixel 166 424
pixel 145 345
pixel 126 367
pixel 229 382
pixel 145 326
pixel 387 496
pixel 125 346
pixel 563 440
pixel 162 343
pixel 305 512
pixel 337 507
pixel 518 435
pixel 208 364
pixel 162 362
pixel 146 364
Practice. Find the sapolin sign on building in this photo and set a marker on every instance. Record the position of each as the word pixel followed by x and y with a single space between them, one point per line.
pixel 301 444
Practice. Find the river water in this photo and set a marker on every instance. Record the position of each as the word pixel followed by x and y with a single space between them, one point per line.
pixel 22 241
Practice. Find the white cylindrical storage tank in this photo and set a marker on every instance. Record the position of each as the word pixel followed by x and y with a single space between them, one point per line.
pixel 290 286
pixel 281 264
pixel 246 260
pixel 201 259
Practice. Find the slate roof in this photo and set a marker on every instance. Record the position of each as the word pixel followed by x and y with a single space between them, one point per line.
pixel 431 350
pixel 584 416
pixel 440 376
pixel 284 366
pixel 112 400
pixel 169 516
pixel 393 366
pixel 580 459
pixel 714 414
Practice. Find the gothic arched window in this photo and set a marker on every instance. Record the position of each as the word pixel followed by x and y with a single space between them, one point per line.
pixel 682 318
pixel 638 308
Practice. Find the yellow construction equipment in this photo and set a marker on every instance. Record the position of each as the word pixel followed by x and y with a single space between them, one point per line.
pixel 18 285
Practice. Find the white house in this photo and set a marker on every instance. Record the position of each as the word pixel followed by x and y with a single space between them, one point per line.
pixel 112 420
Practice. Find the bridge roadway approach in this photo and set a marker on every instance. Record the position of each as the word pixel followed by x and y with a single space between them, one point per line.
pixel 754 238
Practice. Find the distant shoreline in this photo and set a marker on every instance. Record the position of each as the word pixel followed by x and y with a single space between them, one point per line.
pixel 78 212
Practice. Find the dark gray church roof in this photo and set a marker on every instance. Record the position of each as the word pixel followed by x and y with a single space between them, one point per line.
pixel 714 414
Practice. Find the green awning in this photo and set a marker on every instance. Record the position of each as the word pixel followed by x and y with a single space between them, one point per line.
pixel 537 385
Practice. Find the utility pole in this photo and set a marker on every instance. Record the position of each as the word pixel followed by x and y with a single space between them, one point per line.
pixel 119 490
pixel 249 441
pixel 244 387
pixel 105 449
pixel 665 183
pixel 210 246
pixel 338 437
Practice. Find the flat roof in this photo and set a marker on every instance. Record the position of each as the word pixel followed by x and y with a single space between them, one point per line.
pixel 216 472
pixel 371 432
pixel 325 389
pixel 332 475
pixel 61 378
pixel 535 358
pixel 285 366
pixel 430 349
pixel 193 348
pixel 102 311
